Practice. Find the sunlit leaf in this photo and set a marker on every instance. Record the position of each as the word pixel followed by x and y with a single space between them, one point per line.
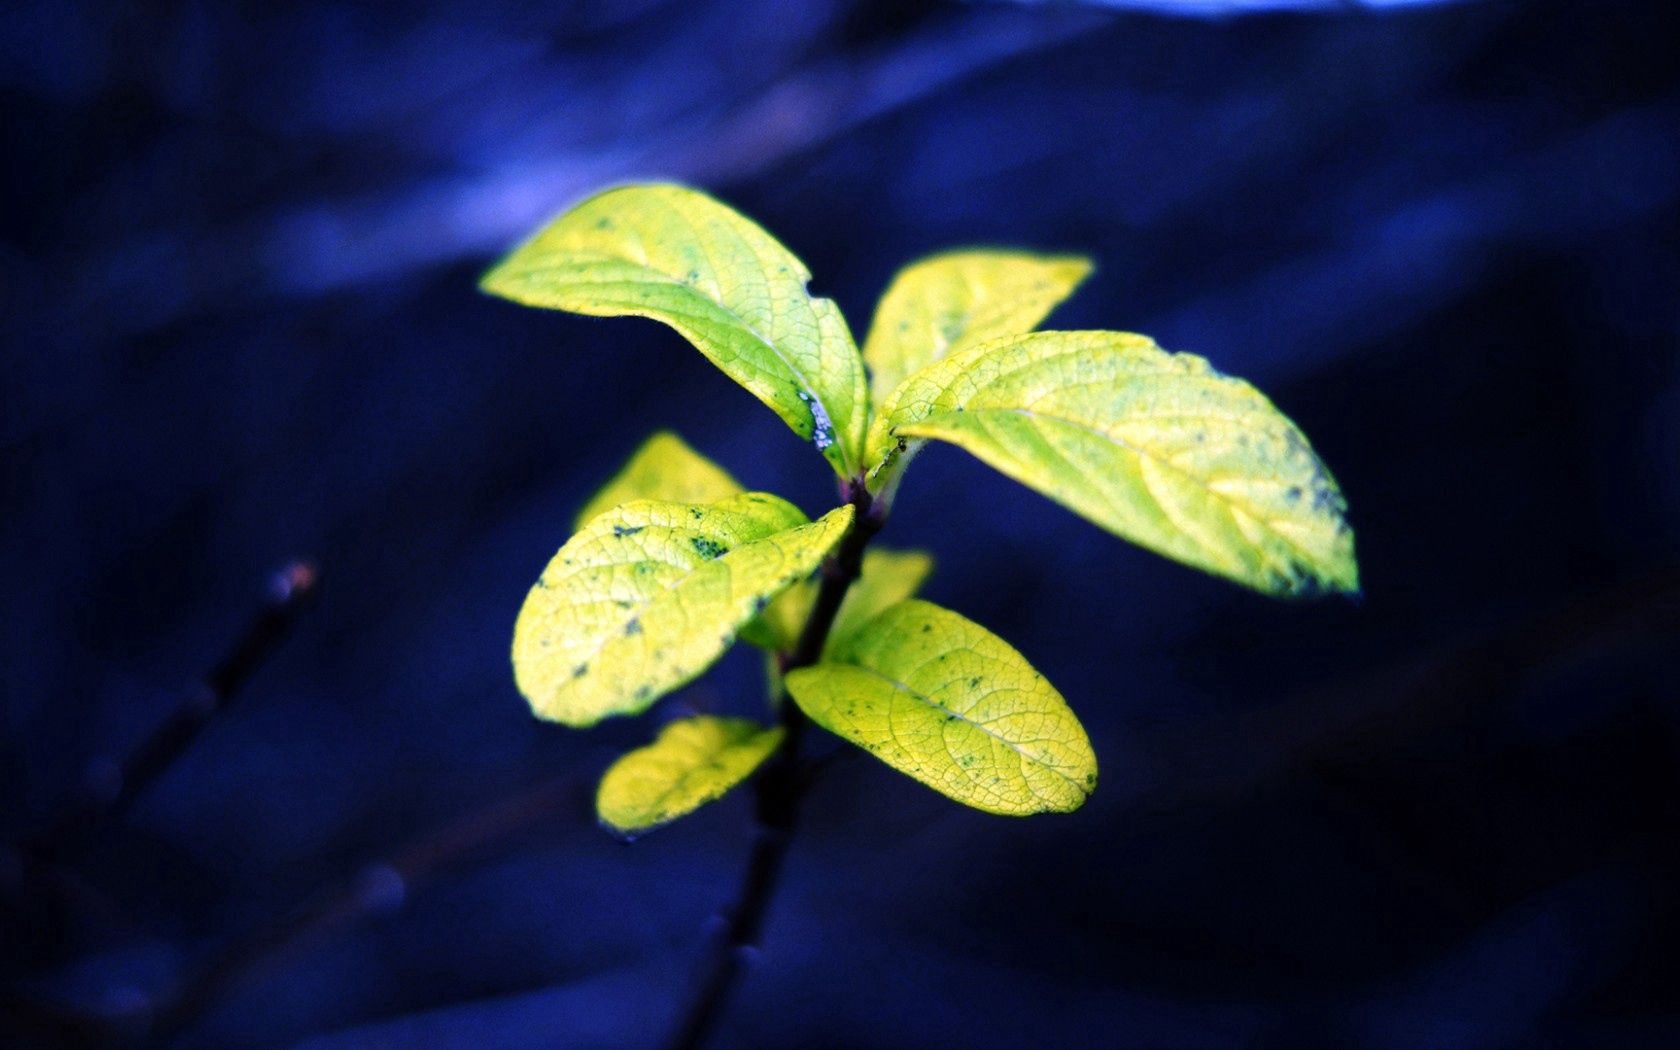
pixel 678 256
pixel 944 700
pixel 650 593
pixel 888 577
pixel 664 468
pixel 1158 448
pixel 693 762
pixel 948 302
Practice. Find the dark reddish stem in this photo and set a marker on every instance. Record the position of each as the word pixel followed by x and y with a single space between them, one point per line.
pixel 779 790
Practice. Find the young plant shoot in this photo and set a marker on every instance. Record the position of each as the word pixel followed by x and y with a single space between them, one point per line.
pixel 673 562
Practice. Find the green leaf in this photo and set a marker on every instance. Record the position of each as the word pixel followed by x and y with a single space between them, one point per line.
pixel 666 468
pixel 647 595
pixel 678 256
pixel 948 302
pixel 888 577
pixel 944 700
pixel 1157 448
pixel 694 761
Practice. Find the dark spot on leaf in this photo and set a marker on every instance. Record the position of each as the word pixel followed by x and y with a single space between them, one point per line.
pixel 972 682
pixel 1294 494
pixel 926 627
pixel 634 626
pixel 708 549
pixel 696 513
pixel 643 692
pixel 622 531
pixel 580 670
pixel 1090 779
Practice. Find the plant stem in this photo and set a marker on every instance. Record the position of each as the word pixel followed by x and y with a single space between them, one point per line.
pixel 778 791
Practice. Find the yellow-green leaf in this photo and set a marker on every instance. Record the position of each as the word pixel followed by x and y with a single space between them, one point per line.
pixel 888 577
pixel 942 699
pixel 1158 448
pixel 666 468
pixel 948 302
pixel 647 595
pixel 678 256
pixel 694 761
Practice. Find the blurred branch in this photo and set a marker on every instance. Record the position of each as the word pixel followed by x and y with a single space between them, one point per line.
pixel 112 787
pixel 347 241
pixel 378 887
pixel 833 99
pixel 1400 701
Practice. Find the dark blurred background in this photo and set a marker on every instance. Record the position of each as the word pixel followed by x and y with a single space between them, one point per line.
pixel 237 268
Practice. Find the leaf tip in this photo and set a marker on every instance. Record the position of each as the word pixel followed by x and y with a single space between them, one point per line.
pixel 1074 268
pixel 622 834
pixel 491 281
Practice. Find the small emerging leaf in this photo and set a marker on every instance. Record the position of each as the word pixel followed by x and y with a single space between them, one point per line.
pixel 649 594
pixel 948 302
pixel 678 256
pixel 666 468
pixel 694 761
pixel 944 700
pixel 888 577
pixel 1157 448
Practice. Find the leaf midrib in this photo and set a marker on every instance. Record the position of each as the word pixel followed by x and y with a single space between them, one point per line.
pixel 1231 505
pixel 641 607
pixel 709 760
pixel 660 277
pixel 927 701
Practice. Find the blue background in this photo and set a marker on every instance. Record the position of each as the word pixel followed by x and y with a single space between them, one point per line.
pixel 237 276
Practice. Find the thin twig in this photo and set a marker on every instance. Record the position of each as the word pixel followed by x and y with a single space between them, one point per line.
pixel 111 788
pixel 779 789
pixel 378 887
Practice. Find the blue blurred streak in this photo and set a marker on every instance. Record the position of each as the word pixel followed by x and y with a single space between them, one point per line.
pixel 1225 8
